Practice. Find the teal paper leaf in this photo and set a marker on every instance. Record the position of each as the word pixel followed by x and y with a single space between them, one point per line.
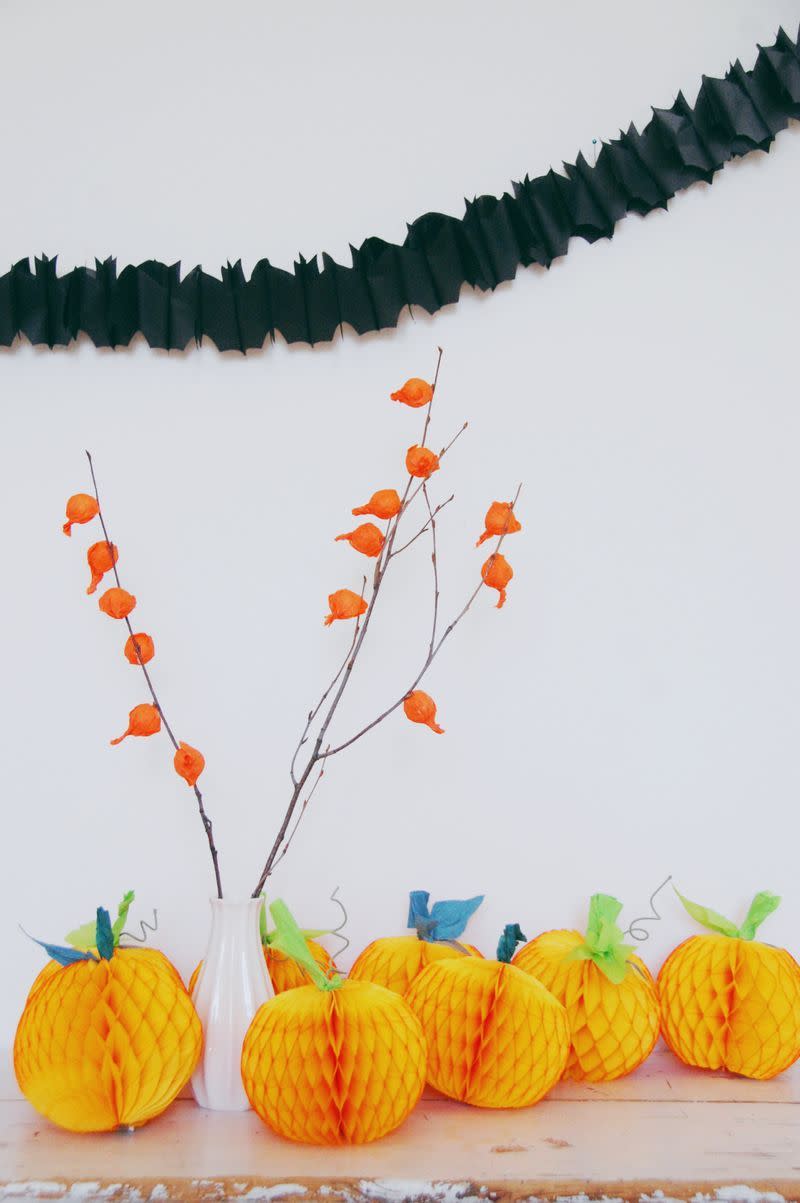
pixel 105 934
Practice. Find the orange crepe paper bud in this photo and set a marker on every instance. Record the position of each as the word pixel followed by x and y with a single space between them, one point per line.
pixel 189 763
pixel 383 504
pixel 81 507
pixel 146 648
pixel 415 392
pixel 499 520
pixel 101 559
pixel 344 603
pixel 496 573
pixel 421 708
pixel 142 720
pixel 366 538
pixel 421 461
pixel 116 602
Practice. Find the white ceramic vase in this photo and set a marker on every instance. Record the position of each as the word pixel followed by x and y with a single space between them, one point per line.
pixel 232 984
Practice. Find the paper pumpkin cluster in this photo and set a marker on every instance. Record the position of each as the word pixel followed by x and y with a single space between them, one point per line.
pixel 108 1036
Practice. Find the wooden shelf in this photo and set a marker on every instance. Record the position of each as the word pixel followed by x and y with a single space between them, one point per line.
pixel 664 1128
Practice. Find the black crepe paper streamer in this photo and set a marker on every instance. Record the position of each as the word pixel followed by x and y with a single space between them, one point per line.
pixel 637 172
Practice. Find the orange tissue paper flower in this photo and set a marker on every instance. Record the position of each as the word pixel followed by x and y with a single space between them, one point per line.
pixel 116 602
pixel 142 720
pixel 81 507
pixel 415 392
pixel 496 573
pixel 189 763
pixel 101 558
pixel 366 538
pixel 384 504
pixel 421 708
pixel 344 603
pixel 421 462
pixel 146 648
pixel 499 520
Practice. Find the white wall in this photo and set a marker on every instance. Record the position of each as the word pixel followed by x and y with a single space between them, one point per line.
pixel 633 711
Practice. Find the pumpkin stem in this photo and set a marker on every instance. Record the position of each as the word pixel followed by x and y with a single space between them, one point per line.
pixel 511 937
pixel 604 939
pixel 444 921
pixel 762 905
pixel 289 939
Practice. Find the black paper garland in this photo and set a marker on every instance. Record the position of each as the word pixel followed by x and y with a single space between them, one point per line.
pixel 637 172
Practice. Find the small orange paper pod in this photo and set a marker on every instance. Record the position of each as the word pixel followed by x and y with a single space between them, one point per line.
pixel 420 707
pixel 496 573
pixel 384 504
pixel 366 538
pixel 421 462
pixel 415 392
pixel 333 1063
pixel 344 603
pixel 116 602
pixel 107 1038
pixel 142 720
pixel 727 1000
pixel 396 961
pixel 500 520
pixel 496 1037
pixel 101 558
pixel 146 648
pixel 609 993
pixel 81 507
pixel 189 763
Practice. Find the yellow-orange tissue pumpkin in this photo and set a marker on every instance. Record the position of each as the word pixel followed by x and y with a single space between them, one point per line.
pixel 496 1037
pixel 108 1043
pixel 727 1000
pixel 395 961
pixel 335 1062
pixel 608 992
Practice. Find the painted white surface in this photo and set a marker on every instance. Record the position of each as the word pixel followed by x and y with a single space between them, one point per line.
pixel 633 710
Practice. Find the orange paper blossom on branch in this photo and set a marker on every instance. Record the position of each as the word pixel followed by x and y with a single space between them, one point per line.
pixel 419 707
pixel 496 573
pixel 499 520
pixel 148 717
pixel 366 538
pixel 80 508
pixel 383 504
pixel 142 720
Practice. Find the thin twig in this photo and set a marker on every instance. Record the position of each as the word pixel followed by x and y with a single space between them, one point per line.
pixel 206 821
pixel 435 563
pixel 422 529
pixel 316 752
pixel 293 832
pixel 432 653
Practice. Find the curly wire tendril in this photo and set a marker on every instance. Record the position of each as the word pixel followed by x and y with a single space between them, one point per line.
pixel 339 931
pixel 144 927
pixel 636 930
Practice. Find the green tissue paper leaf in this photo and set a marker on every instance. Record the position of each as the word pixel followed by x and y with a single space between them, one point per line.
pixel 84 938
pixel 708 918
pixel 289 940
pixel 122 915
pixel 762 905
pixel 604 940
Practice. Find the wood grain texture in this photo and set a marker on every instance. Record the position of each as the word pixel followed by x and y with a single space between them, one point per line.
pixel 665 1128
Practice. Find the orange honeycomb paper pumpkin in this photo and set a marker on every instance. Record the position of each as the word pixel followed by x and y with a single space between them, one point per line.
pixel 395 961
pixel 108 1040
pixel 729 1001
pixel 496 1037
pixel 334 1062
pixel 608 992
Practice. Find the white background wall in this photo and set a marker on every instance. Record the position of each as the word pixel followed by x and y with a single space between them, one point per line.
pixel 633 711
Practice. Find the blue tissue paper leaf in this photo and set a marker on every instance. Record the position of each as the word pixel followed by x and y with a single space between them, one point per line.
pixel 105 934
pixel 60 954
pixel 445 920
